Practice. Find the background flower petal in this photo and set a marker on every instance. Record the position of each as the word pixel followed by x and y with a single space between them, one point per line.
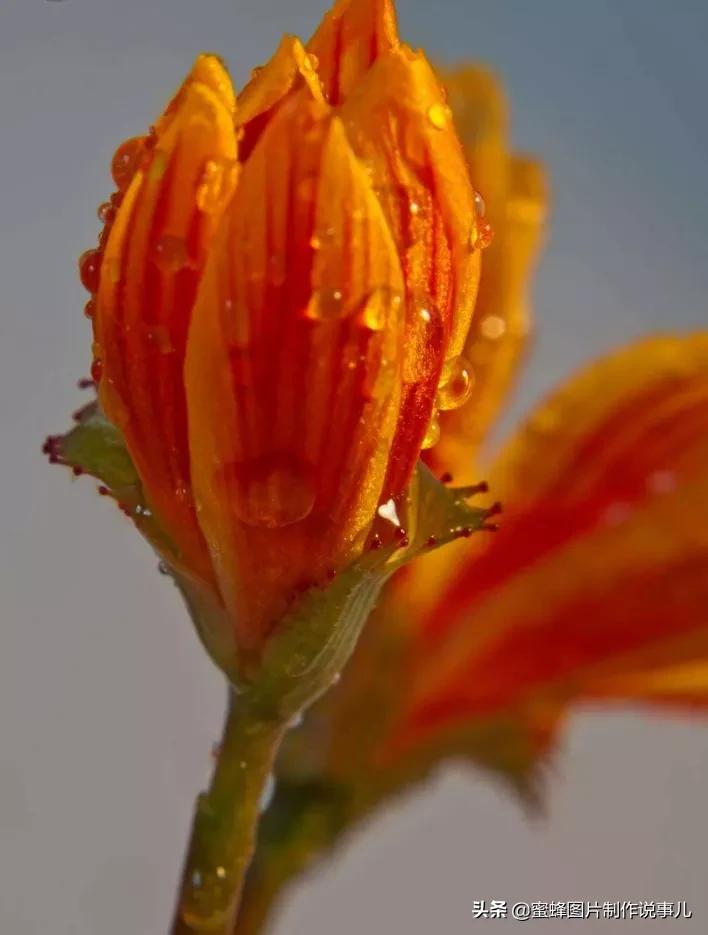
pixel 599 568
pixel 514 193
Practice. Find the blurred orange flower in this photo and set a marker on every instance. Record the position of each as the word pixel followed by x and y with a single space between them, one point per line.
pixel 595 586
pixel 280 300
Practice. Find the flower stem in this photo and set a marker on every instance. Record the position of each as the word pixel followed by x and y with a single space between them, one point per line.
pixel 225 823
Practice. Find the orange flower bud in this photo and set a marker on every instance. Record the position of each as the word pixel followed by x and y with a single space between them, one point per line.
pixel 281 302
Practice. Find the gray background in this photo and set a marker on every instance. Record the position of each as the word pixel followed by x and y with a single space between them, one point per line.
pixel 108 706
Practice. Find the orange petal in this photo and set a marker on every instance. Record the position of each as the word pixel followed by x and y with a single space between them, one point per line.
pixel 290 69
pixel 352 35
pixel 599 570
pixel 149 276
pixel 401 127
pixel 297 333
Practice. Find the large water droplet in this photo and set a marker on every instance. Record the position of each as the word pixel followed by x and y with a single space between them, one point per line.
pixel 456 381
pixel 479 205
pixel 171 253
pixel 90 269
pixel 217 185
pixel 106 212
pixel 271 491
pixel 126 160
pixel 326 304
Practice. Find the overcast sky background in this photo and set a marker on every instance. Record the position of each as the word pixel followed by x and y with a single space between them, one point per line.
pixel 108 706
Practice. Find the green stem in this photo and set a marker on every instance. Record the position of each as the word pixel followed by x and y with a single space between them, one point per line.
pixel 225 823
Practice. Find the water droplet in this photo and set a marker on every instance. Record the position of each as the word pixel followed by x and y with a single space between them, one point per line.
pixel 160 337
pixel 90 269
pixel 267 793
pixel 326 304
pixel 106 212
pixel 97 370
pixel 432 433
pixel 296 721
pixel 163 567
pixel 322 238
pixel 220 873
pixel 217 185
pixel 90 308
pixel 492 327
pixel 479 205
pixel 171 253
pixel 438 115
pixel 456 381
pixel 271 491
pixel 197 879
pixel 414 208
pixel 378 305
pixel 125 161
pixel 486 236
pixel 336 679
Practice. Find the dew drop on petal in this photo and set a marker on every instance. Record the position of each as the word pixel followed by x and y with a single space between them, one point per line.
pixel 171 253
pixel 485 237
pixel 271 491
pixel 326 304
pixel 217 185
pixel 479 205
pixel 106 212
pixel 456 382
pixel 90 308
pixel 160 338
pixel 90 269
pixel 125 161
pixel 97 370
pixel 432 433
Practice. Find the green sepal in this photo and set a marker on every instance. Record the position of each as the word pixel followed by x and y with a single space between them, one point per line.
pixel 95 446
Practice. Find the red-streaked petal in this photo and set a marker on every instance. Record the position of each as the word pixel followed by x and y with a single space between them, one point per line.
pixel 401 127
pixel 352 35
pixel 149 276
pixel 297 333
